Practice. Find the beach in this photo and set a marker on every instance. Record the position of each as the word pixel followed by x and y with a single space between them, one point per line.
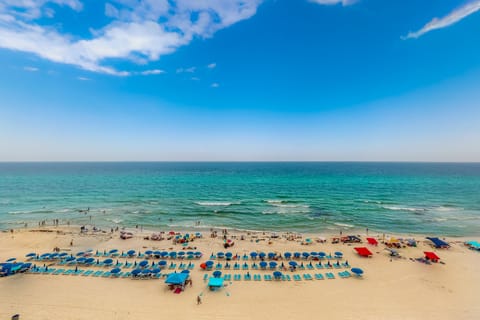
pixel 390 288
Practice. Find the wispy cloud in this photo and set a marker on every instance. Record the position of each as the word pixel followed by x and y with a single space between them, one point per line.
pixel 452 18
pixel 215 85
pixel 30 69
pixel 332 2
pixel 212 66
pixel 195 78
pixel 152 72
pixel 139 31
pixel 188 70
pixel 83 79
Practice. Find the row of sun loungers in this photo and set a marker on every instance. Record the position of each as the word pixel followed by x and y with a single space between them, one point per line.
pixel 284 277
pixel 255 266
pixel 93 273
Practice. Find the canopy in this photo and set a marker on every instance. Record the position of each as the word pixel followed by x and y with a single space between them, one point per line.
pixel 215 282
pixel 431 256
pixel 438 243
pixel 372 241
pixel 364 252
pixel 176 278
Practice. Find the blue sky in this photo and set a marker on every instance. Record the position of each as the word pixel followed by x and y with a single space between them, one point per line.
pixel 239 80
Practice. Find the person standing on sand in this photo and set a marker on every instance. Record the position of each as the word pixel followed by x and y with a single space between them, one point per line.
pixel 199 300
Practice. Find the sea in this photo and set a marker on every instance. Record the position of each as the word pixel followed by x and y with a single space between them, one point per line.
pixel 313 197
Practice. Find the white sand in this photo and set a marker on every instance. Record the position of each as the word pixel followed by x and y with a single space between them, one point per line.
pixel 399 289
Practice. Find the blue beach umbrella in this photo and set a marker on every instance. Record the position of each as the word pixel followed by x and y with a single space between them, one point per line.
pixel 287 255
pixel 253 254
pixel 11 259
pixel 181 253
pixel 173 254
pixel 292 263
pixel 131 252
pixel 89 260
pixel 262 255
pixel 156 270
pixel 305 255
pixel 162 263
pixel 263 264
pixel 31 255
pixel 81 253
pixel 314 254
pixel 63 254
pixel 115 271
pixel 146 271
pixel 229 255
pixel 45 256
pixel 143 263
pixel 322 254
pixel 357 271
pixel 69 259
pixel 107 261
pixel 271 255
pixel 277 275
pixel 136 272
pixel 217 274
pixel 220 254
pixel 297 254
pixel 338 254
pixel 53 255
pixel 148 252
pixel 81 260
pixel 272 264
pixel 185 271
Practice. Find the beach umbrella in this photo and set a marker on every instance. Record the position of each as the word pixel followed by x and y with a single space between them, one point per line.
pixel 271 255
pixel 305 254
pixel 220 254
pixel 229 255
pixel 185 271
pixel 314 254
pixel 146 271
pixel 89 260
pixel 272 264
pixel 11 259
pixel 322 254
pixel 262 255
pixel 163 254
pixel 45 256
pixel 63 254
pixel 69 259
pixel 130 252
pixel 31 255
pixel 108 261
pixel 253 254
pixel 148 252
pixel 53 255
pixel 181 253
pixel 198 254
pixel 357 271
pixel 156 270
pixel 277 275
pixel 115 271
pixel 338 254
pixel 263 264
pixel 292 263
pixel 287 255
pixel 217 274
pixel 173 254
pixel 143 263
pixel 81 260
pixel 81 253
pixel 162 263
pixel 297 254
pixel 113 251
pixel 136 272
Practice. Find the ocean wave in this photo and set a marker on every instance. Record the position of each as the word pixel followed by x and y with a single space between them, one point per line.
pixel 287 210
pixel 346 225
pixel 215 203
pixel 446 208
pixel 117 221
pixel 410 209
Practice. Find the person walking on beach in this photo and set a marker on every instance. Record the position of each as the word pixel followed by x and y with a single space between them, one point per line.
pixel 199 300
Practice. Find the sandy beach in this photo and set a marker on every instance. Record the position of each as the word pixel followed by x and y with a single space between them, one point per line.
pixel 397 288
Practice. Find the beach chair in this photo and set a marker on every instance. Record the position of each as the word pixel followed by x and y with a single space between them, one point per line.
pixel 205 277
pixel 191 265
pixel 347 274
pixel 309 267
pixel 172 266
pixel 267 277
pixel 319 276
pixel 247 277
pixel 237 277
pixel 97 274
pixel 306 276
pixel 330 275
pixel 257 277
pixel 319 266
pixel 245 257
pixel 345 264
pixel 157 276
pixel 128 264
pixel 245 266
pixel 182 266
pixel 297 277
pixel 106 274
pixel 227 277
pixel 254 266
pixel 218 266
pixel 127 274
pixel 78 272
pixel 87 273
pixel 236 266
pixel 336 266
pixel 68 272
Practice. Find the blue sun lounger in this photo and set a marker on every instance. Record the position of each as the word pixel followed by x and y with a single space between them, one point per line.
pixel 87 273
pixel 330 275
pixel 306 276
pixel 127 274
pixel 227 277
pixel 286 277
pixel 106 274
pixel 97 274
pixel 58 271
pixel 245 266
pixel 247 277
pixel 319 266
pixel 68 272
pixel 78 272
pixel 205 277
pixel 237 277
pixel 297 277
pixel 218 266
pixel 172 266
pixel 319 276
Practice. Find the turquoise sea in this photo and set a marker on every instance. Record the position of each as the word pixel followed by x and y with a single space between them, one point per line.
pixel 433 198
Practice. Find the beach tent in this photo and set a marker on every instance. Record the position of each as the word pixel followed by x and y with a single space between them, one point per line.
pixel 372 241
pixel 438 243
pixel 431 256
pixel 176 278
pixel 364 252
pixel 215 283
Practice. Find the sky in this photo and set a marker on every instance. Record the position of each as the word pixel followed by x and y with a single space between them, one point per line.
pixel 239 80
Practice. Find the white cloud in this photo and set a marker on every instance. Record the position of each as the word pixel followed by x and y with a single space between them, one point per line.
pixel 31 69
pixel 212 65
pixel 452 18
pixel 332 2
pixel 152 72
pixel 188 70
pixel 83 79
pixel 195 78
pixel 215 85
pixel 141 31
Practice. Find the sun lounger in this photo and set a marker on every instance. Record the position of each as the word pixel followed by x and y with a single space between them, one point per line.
pixel 245 266
pixel 87 273
pixel 306 276
pixel 330 275
pixel 309 267
pixel 97 274
pixel 319 276
pixel 106 274
pixel 68 272
pixel 58 271
pixel 319 266
pixel 182 266
pixel 191 266
pixel 205 277
pixel 267 277
pixel 247 277
pixel 227 277
pixel 172 266
pixel 297 277
pixel 218 266
pixel 237 277
pixel 78 272
pixel 347 274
